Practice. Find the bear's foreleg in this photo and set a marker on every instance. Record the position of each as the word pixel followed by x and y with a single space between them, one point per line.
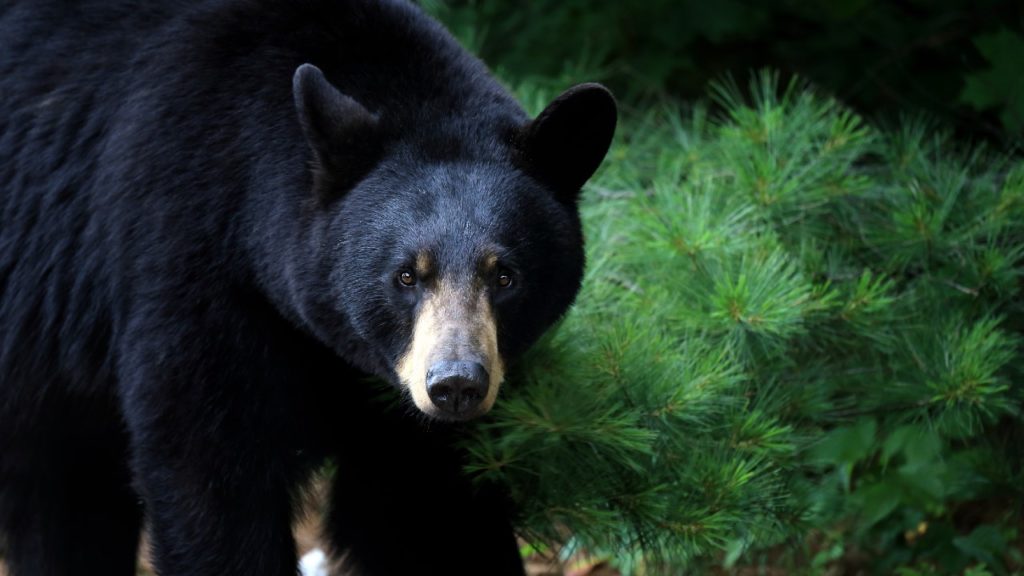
pixel 209 416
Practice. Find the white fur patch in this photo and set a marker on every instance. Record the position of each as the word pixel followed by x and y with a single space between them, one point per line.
pixel 314 563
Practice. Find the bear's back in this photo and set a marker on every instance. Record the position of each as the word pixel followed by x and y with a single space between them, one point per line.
pixel 60 66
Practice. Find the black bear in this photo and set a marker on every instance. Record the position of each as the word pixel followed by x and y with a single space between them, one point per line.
pixel 220 216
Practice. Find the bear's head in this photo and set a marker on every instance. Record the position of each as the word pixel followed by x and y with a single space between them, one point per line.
pixel 447 266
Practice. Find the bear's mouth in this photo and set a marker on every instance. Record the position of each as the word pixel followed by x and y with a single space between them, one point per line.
pixel 451 367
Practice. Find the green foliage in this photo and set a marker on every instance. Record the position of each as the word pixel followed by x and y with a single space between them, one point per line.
pixel 794 329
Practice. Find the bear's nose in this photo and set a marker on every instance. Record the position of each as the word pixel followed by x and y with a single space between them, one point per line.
pixel 457 387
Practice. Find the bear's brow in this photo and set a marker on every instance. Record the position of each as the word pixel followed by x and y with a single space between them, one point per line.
pixel 489 261
pixel 424 263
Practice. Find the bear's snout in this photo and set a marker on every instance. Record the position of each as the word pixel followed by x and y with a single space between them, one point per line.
pixel 457 388
pixel 452 367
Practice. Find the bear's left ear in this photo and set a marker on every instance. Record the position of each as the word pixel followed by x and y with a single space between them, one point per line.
pixel 343 134
pixel 565 144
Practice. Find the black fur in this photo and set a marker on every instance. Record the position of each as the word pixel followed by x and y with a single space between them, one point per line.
pixel 197 253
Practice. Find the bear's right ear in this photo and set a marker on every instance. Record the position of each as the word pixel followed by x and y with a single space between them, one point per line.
pixel 343 134
pixel 566 143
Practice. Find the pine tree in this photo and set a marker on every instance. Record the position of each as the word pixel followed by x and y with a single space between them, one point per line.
pixel 791 321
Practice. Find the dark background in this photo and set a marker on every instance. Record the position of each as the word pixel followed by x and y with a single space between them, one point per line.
pixel 958 61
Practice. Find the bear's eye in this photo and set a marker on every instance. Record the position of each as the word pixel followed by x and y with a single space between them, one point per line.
pixel 406 278
pixel 504 279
